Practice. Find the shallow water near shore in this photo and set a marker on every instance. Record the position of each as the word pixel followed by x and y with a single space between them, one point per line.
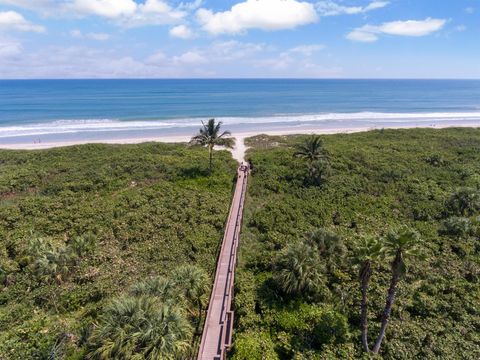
pixel 70 111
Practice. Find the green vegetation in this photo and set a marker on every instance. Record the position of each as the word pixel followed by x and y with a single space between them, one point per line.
pixel 210 136
pixel 96 241
pixel 312 152
pixel 390 235
pixel 151 322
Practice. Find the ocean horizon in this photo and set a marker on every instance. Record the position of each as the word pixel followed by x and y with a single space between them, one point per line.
pixel 101 110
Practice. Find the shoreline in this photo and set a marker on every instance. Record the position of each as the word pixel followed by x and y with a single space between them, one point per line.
pixel 238 152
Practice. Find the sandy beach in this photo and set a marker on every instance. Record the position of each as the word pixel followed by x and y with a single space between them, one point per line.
pixel 238 152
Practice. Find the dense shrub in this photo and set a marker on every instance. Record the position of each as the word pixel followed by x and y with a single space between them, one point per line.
pixel 378 181
pixel 457 226
pixel 79 225
pixel 254 346
pixel 465 202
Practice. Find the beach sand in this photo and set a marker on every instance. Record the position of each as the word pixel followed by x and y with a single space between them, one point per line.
pixel 238 152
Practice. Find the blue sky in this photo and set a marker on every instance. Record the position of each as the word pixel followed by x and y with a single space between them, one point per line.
pixel 239 38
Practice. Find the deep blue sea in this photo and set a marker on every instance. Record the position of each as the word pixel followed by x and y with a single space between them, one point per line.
pixel 70 110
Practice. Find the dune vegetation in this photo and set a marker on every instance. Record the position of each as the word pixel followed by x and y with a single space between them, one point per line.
pixel 108 251
pixel 360 244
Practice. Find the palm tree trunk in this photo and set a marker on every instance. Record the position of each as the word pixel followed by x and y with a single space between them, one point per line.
pixel 210 155
pixel 390 299
pixel 365 276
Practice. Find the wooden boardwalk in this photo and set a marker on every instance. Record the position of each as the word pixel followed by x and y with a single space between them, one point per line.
pixel 217 331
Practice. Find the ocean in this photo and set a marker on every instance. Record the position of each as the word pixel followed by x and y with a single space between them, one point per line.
pixel 94 110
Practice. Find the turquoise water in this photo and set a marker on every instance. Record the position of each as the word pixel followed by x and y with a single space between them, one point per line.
pixel 108 109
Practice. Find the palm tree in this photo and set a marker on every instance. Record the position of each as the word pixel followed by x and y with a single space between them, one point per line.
pixel 330 247
pixel 311 150
pixel 210 136
pixel 297 269
pixel 399 245
pixel 193 283
pixel 140 327
pixel 162 288
pixel 327 242
pixel 367 251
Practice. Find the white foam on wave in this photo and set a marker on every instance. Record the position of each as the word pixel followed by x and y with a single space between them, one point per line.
pixel 114 125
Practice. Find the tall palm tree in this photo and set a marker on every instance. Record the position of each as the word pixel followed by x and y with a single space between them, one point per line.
pixel 311 149
pixel 210 136
pixel 398 245
pixel 140 327
pixel 312 152
pixel 297 269
pixel 367 252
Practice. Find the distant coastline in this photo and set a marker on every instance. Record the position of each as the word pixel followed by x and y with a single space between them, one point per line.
pixel 238 152
pixel 48 113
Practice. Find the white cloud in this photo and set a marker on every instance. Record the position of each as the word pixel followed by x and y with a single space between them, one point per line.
pixel 153 12
pixel 298 61
pixel 258 14
pixel 190 58
pixel 460 28
pixel 38 5
pixel 157 58
pixel 307 50
pixel 11 20
pixel 92 35
pixel 331 8
pixel 415 28
pixel 218 59
pixel 362 36
pixel 232 50
pixel 10 48
pixel 190 6
pixel 129 13
pixel 106 8
pixel 181 31
pixel 470 10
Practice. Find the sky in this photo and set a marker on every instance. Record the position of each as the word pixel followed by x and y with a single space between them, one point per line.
pixel 239 39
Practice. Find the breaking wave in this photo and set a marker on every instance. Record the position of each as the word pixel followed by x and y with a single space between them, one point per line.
pixel 112 125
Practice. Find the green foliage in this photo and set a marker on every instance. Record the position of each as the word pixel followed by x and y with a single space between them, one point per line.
pixel 456 226
pixel 297 269
pixel 377 181
pixel 311 151
pixel 80 225
pixel 328 244
pixel 254 346
pixel 83 245
pixel 193 283
pixel 465 202
pixel 313 326
pixel 162 288
pixel 140 327
pixel 402 244
pixel 210 136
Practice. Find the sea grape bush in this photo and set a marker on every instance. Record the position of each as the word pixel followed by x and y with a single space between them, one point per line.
pixel 80 225
pixel 378 181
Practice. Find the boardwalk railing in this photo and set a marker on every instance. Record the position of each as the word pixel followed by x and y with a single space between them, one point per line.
pixel 218 328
